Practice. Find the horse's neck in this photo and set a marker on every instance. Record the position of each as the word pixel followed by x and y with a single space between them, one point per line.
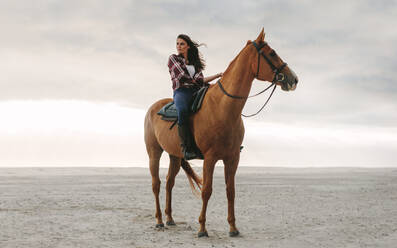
pixel 237 81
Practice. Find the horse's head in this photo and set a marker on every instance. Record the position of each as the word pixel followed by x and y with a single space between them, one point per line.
pixel 268 66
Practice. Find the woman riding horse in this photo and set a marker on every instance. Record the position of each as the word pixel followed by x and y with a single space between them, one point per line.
pixel 218 128
pixel 187 77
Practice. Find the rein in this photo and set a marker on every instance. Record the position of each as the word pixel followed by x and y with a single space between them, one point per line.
pixel 246 97
pixel 241 97
pixel 278 77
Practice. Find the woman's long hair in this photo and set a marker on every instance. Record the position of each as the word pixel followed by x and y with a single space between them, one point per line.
pixel 193 55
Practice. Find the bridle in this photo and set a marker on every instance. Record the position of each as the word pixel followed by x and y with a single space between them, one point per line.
pixel 278 77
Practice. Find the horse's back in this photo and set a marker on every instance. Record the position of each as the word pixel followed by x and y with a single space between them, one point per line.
pixel 152 111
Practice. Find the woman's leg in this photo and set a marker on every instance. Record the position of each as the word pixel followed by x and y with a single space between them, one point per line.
pixel 182 99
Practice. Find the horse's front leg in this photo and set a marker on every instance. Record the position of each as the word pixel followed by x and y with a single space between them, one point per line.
pixel 206 191
pixel 231 164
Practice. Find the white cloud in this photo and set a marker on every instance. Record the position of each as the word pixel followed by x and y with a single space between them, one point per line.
pixel 75 133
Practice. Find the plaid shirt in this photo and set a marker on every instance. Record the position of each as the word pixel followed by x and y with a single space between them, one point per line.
pixel 180 76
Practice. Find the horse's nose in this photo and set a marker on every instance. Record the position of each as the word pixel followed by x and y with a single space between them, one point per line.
pixel 294 76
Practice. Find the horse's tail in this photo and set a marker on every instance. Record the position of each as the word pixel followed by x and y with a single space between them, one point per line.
pixel 192 176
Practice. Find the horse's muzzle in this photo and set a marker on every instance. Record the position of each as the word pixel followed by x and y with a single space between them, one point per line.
pixel 289 81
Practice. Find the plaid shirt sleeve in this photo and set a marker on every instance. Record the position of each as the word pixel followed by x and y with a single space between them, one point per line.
pixel 179 77
pixel 199 78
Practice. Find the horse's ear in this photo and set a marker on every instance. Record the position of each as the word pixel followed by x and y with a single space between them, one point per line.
pixel 261 36
pixel 248 42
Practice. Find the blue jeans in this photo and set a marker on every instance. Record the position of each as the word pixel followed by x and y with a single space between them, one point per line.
pixel 183 100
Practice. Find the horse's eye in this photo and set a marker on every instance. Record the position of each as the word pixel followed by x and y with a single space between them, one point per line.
pixel 273 53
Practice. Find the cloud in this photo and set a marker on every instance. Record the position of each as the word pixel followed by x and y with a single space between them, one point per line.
pixel 82 133
pixel 343 52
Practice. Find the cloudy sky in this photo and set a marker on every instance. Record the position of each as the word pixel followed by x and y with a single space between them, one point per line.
pixel 76 78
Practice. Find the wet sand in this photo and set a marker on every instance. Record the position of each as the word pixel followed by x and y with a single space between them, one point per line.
pixel 275 207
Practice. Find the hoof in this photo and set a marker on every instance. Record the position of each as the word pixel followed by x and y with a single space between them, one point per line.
pixel 202 234
pixel 170 223
pixel 159 225
pixel 234 233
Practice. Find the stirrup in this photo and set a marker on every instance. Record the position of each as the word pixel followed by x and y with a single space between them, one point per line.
pixel 188 155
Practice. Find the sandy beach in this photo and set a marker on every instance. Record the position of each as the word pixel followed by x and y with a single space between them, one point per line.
pixel 275 207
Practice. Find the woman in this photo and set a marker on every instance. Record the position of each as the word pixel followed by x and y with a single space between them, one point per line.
pixel 187 77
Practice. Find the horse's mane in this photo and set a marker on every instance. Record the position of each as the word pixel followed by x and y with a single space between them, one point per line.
pixel 234 60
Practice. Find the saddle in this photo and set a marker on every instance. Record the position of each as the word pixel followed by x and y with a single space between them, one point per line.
pixel 168 112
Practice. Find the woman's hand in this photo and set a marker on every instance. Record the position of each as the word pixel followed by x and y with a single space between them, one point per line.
pixel 210 78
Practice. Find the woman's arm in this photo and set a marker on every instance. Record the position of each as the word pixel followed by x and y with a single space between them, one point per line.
pixel 210 78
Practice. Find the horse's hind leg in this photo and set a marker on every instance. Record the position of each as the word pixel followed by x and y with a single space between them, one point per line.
pixel 175 165
pixel 154 163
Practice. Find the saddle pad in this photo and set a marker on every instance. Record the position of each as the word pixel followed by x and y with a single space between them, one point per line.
pixel 169 113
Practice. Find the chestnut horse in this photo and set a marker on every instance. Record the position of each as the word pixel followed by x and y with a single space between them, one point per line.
pixel 218 128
